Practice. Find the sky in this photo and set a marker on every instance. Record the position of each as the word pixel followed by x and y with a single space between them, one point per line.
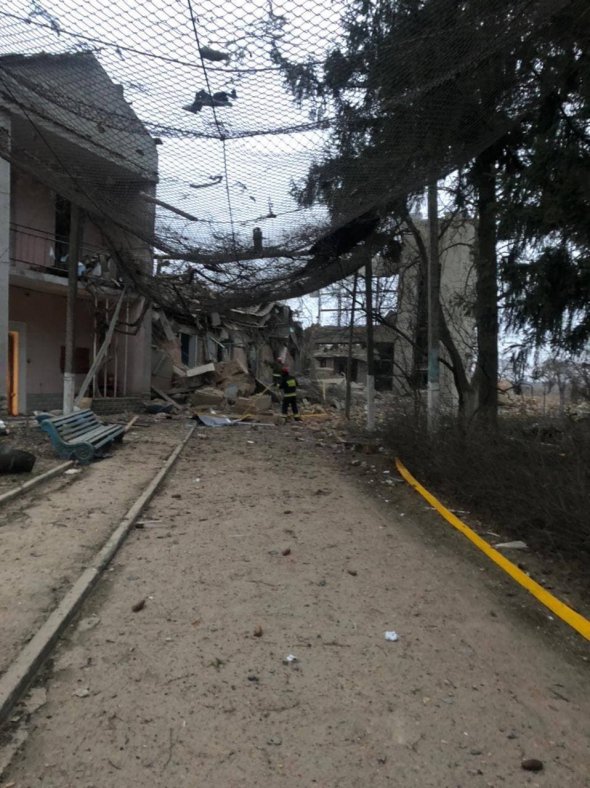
pixel 150 47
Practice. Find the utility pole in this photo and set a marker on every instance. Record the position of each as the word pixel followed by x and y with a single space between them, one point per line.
pixel 370 344
pixel 73 257
pixel 433 285
pixel 350 342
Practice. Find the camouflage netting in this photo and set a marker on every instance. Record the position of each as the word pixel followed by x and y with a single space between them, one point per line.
pixel 207 82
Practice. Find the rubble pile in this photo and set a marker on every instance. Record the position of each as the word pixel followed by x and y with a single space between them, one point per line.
pixel 226 387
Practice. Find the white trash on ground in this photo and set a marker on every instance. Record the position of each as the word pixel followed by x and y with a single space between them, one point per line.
pixel 391 636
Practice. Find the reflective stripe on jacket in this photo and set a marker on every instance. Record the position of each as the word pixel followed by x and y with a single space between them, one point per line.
pixel 289 386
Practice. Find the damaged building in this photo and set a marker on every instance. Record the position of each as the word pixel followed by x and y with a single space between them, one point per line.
pixel 36 226
pixel 252 339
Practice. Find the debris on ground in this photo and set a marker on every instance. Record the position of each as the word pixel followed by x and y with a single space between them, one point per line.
pixel 16 460
pixel 391 636
pixel 515 545
pixel 290 659
pixel 88 623
pixel 138 606
pixel 532 765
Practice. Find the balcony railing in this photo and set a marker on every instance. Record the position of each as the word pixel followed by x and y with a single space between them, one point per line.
pixel 47 252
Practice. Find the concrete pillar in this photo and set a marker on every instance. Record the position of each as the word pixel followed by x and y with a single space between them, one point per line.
pixel 5 133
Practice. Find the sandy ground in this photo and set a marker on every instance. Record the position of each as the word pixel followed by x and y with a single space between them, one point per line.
pixel 260 546
pixel 46 537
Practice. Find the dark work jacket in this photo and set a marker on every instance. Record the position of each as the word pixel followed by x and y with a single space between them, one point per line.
pixel 289 385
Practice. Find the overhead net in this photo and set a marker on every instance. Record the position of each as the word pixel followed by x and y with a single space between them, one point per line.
pixel 206 86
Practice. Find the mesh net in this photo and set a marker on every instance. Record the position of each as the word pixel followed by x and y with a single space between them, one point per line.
pixel 213 141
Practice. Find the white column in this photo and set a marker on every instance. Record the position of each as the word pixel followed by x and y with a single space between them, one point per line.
pixel 5 133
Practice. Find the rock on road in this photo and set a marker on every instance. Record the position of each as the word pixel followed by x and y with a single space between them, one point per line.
pixel 258 547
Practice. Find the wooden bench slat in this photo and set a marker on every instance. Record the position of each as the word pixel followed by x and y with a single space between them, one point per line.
pixel 80 435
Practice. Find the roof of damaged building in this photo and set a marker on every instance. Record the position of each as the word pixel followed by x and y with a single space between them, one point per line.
pixel 338 335
pixel 71 98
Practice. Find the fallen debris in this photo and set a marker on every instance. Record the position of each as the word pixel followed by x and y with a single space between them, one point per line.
pixel 88 623
pixel 214 55
pixel 516 545
pixel 532 765
pixel 391 636
pixel 138 606
pixel 258 631
pixel 16 460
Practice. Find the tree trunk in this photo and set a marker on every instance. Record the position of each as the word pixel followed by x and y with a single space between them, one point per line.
pixel 486 307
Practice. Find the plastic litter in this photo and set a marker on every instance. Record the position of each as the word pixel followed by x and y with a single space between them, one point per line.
pixel 516 545
pixel 289 659
pixel 72 471
pixel 392 636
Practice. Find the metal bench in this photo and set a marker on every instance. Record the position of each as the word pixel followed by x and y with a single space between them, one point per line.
pixel 80 436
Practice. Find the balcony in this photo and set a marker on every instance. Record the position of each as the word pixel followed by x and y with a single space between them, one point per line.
pixel 41 251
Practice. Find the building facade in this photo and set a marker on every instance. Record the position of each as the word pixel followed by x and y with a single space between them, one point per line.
pixel 57 154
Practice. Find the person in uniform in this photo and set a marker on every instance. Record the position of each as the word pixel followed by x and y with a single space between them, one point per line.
pixel 289 389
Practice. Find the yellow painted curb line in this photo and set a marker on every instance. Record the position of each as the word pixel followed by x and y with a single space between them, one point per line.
pixel 571 617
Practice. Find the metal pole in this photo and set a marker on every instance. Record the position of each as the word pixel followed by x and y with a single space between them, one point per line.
pixel 370 346
pixel 125 366
pixel 349 359
pixel 433 284
pixel 70 342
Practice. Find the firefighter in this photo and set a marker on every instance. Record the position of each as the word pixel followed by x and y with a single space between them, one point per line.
pixel 277 373
pixel 289 389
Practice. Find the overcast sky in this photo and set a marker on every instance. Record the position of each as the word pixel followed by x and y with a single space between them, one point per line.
pixel 135 42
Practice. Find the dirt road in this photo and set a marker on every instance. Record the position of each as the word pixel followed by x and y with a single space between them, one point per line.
pixel 261 546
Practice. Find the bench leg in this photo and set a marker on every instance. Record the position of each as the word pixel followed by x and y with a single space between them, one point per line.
pixel 84 453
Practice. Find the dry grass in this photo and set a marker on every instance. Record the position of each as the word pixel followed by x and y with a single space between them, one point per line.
pixel 531 477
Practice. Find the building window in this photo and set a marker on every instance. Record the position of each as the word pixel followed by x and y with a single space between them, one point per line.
pixel 189 354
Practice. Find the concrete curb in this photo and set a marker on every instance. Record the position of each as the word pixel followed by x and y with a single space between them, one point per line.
pixel 16 491
pixel 21 673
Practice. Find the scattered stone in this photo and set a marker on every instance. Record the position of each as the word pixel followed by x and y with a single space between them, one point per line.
pixel 258 631
pixel 352 572
pixel 275 740
pixel 176 495
pixel 138 606
pixel 286 551
pixel 88 623
pixel 253 678
pixel 83 692
pixel 36 698
pixel 532 765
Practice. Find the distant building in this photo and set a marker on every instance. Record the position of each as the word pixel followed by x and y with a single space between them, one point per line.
pixel 457 297
pixel 400 337
pixel 67 135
